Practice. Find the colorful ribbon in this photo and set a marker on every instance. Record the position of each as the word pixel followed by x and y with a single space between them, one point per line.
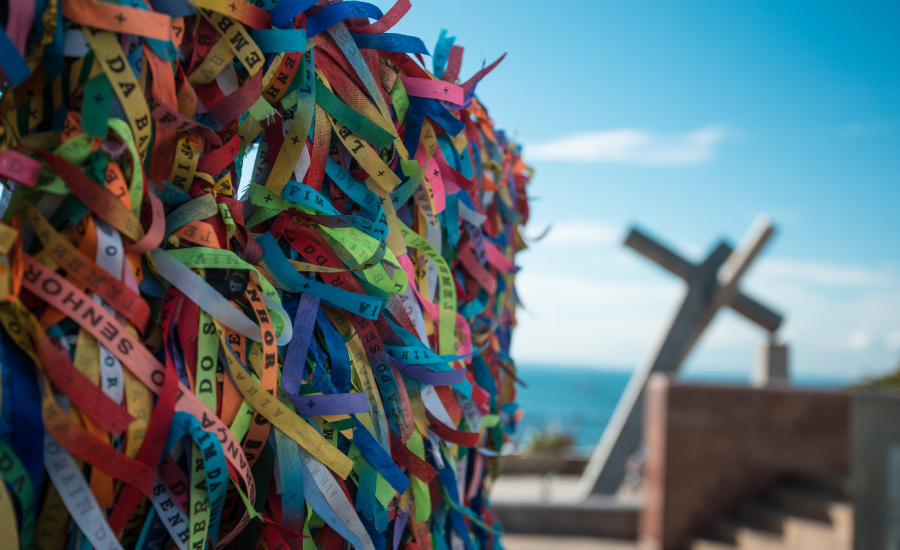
pixel 169 343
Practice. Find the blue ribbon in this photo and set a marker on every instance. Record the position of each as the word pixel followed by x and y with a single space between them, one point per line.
pixel 451 217
pixel 360 304
pixel 171 195
pixel 337 352
pixel 25 399
pixel 300 193
pixel 390 42
pixel 414 118
pixel 463 387
pixel 163 48
pixel 380 459
pixel 476 306
pixel 280 40
pixel 438 113
pixel 358 192
pixel 361 195
pixel 448 477
pixel 378 540
pixel 442 52
pixel 483 376
pixel 318 503
pixel 11 60
pixel 365 495
pixel 335 13
pixel 292 488
pixel 174 8
pixel 213 463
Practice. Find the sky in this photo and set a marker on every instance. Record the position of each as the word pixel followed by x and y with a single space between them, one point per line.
pixel 688 120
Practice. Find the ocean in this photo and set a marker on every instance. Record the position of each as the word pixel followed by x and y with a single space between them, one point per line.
pixel 580 401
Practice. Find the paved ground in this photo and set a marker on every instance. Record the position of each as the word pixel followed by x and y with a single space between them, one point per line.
pixel 539 488
pixel 523 500
pixel 536 542
pixel 535 488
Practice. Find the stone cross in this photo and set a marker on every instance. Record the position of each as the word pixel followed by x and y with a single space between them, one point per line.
pixel 710 285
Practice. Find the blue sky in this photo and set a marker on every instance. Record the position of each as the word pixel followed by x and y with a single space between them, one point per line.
pixel 689 119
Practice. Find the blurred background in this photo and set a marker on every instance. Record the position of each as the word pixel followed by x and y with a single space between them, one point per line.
pixel 687 120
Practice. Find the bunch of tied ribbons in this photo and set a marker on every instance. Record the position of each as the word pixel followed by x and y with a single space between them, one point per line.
pixel 316 360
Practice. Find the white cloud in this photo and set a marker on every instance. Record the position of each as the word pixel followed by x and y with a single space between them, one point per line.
pixel 821 273
pixel 582 233
pixel 604 305
pixel 859 129
pixel 572 318
pixel 859 339
pixel 633 146
pixel 892 341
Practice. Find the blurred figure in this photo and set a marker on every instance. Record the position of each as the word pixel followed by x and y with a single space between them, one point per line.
pixel 633 484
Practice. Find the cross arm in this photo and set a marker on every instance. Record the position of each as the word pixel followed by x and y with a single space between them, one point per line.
pixel 665 258
pixel 756 312
pixel 739 261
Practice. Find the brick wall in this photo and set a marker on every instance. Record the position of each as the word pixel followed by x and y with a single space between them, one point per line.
pixel 710 447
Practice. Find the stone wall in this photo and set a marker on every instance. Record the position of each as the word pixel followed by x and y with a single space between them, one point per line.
pixel 710 447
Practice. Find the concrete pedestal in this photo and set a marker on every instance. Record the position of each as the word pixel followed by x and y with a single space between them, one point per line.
pixel 771 367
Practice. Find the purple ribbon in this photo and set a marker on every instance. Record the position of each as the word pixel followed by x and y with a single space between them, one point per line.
pixel 443 378
pixel 330 405
pixel 295 357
